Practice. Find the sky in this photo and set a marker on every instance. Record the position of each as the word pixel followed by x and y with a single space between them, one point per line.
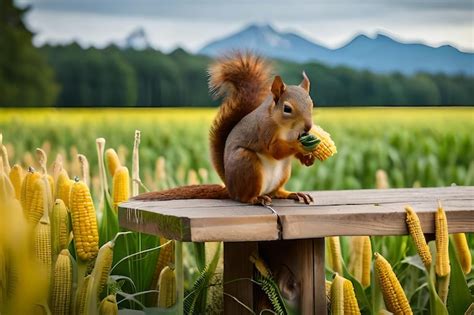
pixel 191 23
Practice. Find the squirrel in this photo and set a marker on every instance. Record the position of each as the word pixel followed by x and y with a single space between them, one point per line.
pixel 254 135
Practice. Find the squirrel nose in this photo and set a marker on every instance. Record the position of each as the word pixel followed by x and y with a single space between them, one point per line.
pixel 308 126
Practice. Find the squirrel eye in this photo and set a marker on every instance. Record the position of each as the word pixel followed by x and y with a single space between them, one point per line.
pixel 287 109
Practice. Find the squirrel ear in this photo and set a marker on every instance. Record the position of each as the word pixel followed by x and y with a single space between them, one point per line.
pixel 305 83
pixel 278 87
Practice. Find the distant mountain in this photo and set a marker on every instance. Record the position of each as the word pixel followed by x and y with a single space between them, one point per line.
pixel 137 40
pixel 380 54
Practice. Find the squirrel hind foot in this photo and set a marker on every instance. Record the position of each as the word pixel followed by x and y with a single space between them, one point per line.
pixel 301 197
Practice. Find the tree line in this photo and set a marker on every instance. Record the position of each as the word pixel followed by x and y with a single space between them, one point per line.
pixel 115 77
pixel 71 76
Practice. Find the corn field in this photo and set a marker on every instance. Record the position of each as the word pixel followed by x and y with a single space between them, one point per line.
pixel 63 173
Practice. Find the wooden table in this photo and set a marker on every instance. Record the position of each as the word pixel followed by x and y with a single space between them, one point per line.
pixel 292 235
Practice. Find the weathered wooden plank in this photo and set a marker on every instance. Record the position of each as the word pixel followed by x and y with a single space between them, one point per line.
pixel 350 212
pixel 226 221
pixel 369 219
pixel 238 266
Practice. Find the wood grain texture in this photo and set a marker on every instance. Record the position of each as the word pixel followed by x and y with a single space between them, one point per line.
pixel 291 262
pixel 320 300
pixel 345 212
pixel 237 266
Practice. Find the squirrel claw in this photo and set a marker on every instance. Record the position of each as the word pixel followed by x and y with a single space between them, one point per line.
pixel 263 200
pixel 301 197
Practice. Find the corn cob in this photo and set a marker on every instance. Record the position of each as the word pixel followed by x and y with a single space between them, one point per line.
pixel 393 295
pixel 27 189
pixel 62 284
pixel 165 258
pixel 84 222
pixel 4 156
pixel 121 186
pixel 108 306
pixel 167 285
pixel 16 176
pixel 38 202
pixel 328 291
pixel 50 187
pixel 442 242
pixel 7 191
pixel 260 265
pixel 356 257
pixel 113 162
pixel 350 302
pixel 326 148
pixel 81 297
pixel 63 187
pixel 464 254
pixel 85 175
pixel 102 267
pixel 416 232
pixel 366 261
pixel 60 229
pixel 42 244
pixel 337 295
pixel 335 256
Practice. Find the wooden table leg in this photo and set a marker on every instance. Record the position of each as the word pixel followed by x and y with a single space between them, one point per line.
pixel 237 265
pixel 320 306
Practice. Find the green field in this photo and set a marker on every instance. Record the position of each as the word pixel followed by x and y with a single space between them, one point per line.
pixel 423 147
pixel 414 147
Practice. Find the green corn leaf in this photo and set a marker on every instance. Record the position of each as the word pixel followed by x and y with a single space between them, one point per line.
pixel 459 296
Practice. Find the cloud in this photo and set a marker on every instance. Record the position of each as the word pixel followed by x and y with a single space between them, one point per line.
pixel 190 23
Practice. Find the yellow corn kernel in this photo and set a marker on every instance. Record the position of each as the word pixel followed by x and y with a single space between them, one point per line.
pixel 442 242
pixel 165 258
pixel 38 202
pixel 63 187
pixel 416 232
pixel 42 244
pixel 326 148
pixel 167 285
pixel 464 254
pixel 337 295
pixel 81 297
pixel 4 158
pixel 392 292
pixel 103 264
pixel 62 284
pixel 60 229
pixel 16 177
pixel 84 221
pixel 334 254
pixel 27 189
pixel 350 301
pixel 108 306
pixel 113 162
pixel 121 186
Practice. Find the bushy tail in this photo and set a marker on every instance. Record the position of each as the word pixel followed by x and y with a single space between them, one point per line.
pixel 187 192
pixel 243 80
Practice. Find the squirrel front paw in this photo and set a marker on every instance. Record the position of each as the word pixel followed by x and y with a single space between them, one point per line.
pixel 301 197
pixel 306 159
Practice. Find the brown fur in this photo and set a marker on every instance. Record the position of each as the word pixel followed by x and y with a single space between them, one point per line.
pixel 244 80
pixel 187 192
